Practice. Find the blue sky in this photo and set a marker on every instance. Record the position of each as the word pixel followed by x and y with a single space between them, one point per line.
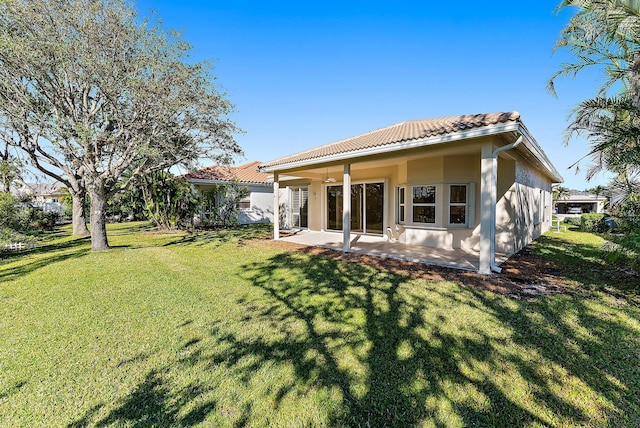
pixel 303 74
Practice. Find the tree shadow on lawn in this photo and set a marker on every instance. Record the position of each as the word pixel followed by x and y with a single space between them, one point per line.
pixel 44 255
pixel 584 264
pixel 151 404
pixel 397 355
pixel 220 236
pixel 416 368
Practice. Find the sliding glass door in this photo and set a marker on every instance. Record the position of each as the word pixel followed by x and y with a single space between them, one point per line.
pixel 299 207
pixel 367 207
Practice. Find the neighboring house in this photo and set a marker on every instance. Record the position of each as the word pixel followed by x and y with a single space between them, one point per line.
pixel 47 196
pixel 257 207
pixel 475 183
pixel 578 202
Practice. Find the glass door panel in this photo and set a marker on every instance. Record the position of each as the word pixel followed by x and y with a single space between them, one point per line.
pixel 374 207
pixel 304 208
pixel 334 207
pixel 357 203
pixel 299 207
pixel 367 208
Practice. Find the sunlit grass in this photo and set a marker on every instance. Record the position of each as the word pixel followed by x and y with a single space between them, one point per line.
pixel 594 261
pixel 182 329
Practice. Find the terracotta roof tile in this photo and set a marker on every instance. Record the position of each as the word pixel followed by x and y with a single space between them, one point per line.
pixel 404 131
pixel 247 173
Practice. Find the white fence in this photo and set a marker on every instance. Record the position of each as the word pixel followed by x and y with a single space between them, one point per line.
pixel 19 246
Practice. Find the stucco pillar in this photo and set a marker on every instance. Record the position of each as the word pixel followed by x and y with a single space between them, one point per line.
pixel 276 206
pixel 486 185
pixel 346 209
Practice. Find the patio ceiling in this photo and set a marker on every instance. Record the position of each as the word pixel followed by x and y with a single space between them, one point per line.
pixel 335 169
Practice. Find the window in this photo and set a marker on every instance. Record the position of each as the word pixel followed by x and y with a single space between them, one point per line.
pixel 458 204
pixel 299 207
pixel 436 205
pixel 245 203
pixel 400 211
pixel 424 204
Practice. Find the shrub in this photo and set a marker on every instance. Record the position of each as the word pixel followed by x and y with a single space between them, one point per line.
pixel 618 254
pixel 573 221
pixel 593 222
pixel 9 236
pixel 221 204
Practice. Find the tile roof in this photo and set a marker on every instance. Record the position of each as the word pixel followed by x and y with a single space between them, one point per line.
pixel 247 173
pixel 404 131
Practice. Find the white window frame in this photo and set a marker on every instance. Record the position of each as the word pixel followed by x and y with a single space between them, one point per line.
pixel 433 204
pixel 442 205
pixel 301 191
pixel 466 204
pixel 245 200
pixel 401 205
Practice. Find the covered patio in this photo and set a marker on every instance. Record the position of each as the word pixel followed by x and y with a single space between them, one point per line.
pixel 430 191
pixel 380 247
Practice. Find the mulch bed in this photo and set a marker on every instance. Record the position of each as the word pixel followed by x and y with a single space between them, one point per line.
pixel 523 276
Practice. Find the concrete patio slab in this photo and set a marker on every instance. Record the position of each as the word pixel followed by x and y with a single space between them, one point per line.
pixel 378 246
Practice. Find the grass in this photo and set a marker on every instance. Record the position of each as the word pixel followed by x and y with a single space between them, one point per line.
pixel 604 262
pixel 185 330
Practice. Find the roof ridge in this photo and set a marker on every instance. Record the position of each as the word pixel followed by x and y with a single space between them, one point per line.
pixel 246 173
pixel 248 164
pixel 342 140
pixel 396 132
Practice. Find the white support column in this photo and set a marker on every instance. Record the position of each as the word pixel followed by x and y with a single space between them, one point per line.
pixel 346 209
pixel 486 185
pixel 276 206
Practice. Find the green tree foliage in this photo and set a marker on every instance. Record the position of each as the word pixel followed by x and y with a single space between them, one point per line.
pixel 90 92
pixel 592 222
pixel 9 171
pixel 127 205
pixel 10 167
pixel 626 192
pixel 597 190
pixel 605 34
pixel 169 201
pixel 221 204
pixel 559 193
pixel 8 211
pixel 18 218
pixel 612 125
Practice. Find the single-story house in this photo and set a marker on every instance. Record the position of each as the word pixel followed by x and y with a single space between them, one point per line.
pixel 47 196
pixel 257 206
pixel 478 184
pixel 578 202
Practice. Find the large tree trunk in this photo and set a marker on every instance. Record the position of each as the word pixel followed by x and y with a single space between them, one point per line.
pixel 77 215
pixel 98 218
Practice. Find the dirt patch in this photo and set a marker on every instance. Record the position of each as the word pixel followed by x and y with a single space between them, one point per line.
pixel 523 276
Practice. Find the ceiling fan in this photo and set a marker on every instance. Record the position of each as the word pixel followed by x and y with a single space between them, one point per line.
pixel 329 179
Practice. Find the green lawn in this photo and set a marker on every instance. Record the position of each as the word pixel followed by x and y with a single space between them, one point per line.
pixel 181 330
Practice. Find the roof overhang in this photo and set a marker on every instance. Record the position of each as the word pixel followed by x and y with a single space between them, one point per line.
pixel 534 148
pixel 495 129
pixel 208 181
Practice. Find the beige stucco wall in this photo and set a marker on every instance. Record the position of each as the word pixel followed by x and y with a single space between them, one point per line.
pixel 523 211
pixel 519 193
pixel 443 170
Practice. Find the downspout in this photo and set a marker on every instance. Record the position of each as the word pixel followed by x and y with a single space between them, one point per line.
pixel 494 196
